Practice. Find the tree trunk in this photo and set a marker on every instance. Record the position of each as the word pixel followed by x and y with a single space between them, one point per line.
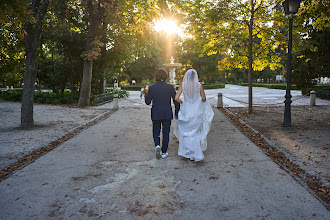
pixel 32 41
pixel 27 121
pixel 250 57
pixel 85 88
pixel 103 57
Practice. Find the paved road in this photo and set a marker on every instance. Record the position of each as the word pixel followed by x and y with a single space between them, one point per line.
pixel 109 171
pixel 237 96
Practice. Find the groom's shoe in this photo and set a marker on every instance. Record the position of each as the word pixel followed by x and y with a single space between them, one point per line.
pixel 158 152
pixel 164 155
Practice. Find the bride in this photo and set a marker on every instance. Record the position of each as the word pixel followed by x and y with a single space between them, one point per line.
pixel 194 118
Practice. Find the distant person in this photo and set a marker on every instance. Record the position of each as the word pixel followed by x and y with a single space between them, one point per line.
pixel 160 94
pixel 194 118
pixel 115 83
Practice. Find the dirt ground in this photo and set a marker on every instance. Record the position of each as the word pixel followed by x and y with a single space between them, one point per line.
pixel 51 122
pixel 308 139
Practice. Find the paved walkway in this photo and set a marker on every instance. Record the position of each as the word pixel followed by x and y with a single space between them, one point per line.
pixel 109 171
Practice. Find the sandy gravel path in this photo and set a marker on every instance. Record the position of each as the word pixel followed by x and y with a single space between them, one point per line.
pixel 109 171
pixel 51 122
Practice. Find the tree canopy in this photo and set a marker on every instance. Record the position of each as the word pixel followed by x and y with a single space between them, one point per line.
pixel 214 41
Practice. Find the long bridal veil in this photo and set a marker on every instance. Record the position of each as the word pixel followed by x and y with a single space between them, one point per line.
pixel 191 86
pixel 194 119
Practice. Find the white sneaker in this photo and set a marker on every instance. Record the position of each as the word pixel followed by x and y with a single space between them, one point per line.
pixel 164 155
pixel 158 152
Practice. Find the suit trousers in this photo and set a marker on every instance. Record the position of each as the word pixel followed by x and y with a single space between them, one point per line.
pixel 156 127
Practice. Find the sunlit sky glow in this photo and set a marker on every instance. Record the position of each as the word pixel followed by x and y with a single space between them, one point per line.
pixel 168 26
pixel 171 27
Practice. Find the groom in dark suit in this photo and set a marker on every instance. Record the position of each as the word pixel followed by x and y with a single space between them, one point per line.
pixel 161 94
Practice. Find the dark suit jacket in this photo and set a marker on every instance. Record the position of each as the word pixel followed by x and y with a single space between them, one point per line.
pixel 160 94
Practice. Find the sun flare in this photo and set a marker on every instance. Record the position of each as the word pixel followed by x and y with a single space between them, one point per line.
pixel 168 26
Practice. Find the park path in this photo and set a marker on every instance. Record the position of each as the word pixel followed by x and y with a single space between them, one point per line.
pixel 109 171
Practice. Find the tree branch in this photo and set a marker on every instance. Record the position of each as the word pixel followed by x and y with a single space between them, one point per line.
pixel 41 16
pixel 90 7
pixel 259 6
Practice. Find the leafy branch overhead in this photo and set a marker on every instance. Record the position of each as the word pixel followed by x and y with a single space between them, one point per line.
pixel 93 53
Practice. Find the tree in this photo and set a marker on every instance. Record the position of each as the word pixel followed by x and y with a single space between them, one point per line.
pixel 12 15
pixel 63 40
pixel 311 58
pixel 32 35
pixel 96 12
pixel 241 31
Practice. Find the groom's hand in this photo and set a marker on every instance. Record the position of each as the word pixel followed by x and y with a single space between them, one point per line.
pixel 176 117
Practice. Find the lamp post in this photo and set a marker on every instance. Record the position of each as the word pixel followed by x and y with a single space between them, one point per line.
pixel 290 7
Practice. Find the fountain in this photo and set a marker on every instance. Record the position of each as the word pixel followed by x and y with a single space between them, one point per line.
pixel 172 66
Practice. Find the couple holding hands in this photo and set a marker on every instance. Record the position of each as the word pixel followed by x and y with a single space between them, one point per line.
pixel 193 115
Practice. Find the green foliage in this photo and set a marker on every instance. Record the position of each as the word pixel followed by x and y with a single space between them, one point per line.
pixel 11 95
pixel 46 97
pixel 318 11
pixel 217 48
pixel 313 60
pixel 54 98
pixel 11 55
pixel 271 85
pixel 322 91
pixel 122 93
pixel 41 97
pixel 226 31
pixel 108 95
pixel 132 88
pixel 214 86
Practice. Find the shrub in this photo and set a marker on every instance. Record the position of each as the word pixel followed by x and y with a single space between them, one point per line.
pixel 132 88
pixel 322 91
pixel 271 85
pixel 214 86
pixel 11 95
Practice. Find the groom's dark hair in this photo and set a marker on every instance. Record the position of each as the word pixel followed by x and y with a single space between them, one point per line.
pixel 161 75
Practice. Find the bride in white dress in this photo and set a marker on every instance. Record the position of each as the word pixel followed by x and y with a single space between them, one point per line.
pixel 194 118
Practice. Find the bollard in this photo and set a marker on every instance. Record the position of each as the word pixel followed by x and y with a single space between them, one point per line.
pixel 220 103
pixel 115 101
pixel 312 98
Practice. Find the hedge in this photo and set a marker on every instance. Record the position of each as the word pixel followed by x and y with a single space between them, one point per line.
pixel 132 88
pixel 206 86
pixel 56 98
pixel 322 91
pixel 271 85
pixel 214 86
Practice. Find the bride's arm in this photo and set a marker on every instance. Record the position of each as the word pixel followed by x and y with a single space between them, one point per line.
pixel 203 94
pixel 177 96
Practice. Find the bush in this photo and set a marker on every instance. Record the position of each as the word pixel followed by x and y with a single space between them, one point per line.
pixel 57 98
pixel 132 88
pixel 271 85
pixel 214 86
pixel 322 91
pixel 108 96
pixel 121 92
pixel 11 95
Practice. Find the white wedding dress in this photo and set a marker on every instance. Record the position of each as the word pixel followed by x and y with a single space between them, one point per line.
pixel 194 121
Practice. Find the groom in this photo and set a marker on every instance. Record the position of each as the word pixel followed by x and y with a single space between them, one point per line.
pixel 161 94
